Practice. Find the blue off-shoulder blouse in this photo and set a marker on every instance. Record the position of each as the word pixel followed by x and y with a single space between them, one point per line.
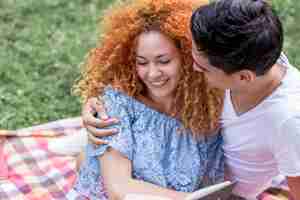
pixel 161 151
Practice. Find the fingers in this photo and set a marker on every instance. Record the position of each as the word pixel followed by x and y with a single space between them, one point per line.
pixel 95 134
pixel 100 109
pixel 101 132
pixel 95 125
pixel 96 140
pixel 91 121
pixel 89 110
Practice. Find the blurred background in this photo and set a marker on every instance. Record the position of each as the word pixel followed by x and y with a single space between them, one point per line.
pixel 43 43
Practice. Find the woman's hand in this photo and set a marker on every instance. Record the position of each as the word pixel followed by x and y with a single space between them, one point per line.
pixel 94 119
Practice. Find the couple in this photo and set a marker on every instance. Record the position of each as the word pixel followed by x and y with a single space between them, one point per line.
pixel 168 142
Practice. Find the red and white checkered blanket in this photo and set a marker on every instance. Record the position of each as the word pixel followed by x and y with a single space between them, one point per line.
pixel 37 173
pixel 34 172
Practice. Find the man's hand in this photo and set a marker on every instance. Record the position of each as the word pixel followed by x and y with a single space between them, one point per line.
pixel 92 108
pixel 294 185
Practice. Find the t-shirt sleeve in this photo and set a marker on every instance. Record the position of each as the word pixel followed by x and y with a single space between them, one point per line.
pixel 286 147
pixel 117 105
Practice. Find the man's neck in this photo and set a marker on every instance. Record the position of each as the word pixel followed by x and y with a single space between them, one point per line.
pixel 247 98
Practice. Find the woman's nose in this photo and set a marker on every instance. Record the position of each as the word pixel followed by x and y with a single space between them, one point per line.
pixel 154 71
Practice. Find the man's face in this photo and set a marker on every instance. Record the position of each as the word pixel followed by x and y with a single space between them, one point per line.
pixel 215 77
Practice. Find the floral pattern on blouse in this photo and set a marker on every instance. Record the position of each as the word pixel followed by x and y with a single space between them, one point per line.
pixel 159 153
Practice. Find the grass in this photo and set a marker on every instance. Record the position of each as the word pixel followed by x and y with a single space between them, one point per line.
pixel 42 44
pixel 288 11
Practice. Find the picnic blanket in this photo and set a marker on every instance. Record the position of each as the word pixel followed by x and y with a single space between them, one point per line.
pixel 34 171
pixel 38 169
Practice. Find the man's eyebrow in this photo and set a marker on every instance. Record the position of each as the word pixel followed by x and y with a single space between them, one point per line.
pixel 199 50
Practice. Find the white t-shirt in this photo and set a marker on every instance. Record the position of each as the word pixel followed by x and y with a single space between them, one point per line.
pixel 265 141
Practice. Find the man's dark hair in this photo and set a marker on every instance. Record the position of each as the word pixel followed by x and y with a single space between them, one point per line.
pixel 238 34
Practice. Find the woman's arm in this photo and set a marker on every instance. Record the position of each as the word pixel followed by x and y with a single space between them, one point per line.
pixel 116 171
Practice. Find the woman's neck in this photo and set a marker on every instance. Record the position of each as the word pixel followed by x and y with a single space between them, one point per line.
pixel 164 105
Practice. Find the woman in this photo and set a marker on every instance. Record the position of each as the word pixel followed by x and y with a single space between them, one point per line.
pixel 167 144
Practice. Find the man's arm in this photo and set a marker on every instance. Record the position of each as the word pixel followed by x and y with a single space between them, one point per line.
pixel 116 171
pixel 287 153
pixel 294 185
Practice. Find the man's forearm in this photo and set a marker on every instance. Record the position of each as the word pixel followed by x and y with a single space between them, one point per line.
pixel 294 185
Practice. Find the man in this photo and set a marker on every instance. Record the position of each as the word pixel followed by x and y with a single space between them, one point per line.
pixel 236 44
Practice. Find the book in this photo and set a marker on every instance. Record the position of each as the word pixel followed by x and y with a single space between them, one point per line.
pixel 220 191
pixel 144 197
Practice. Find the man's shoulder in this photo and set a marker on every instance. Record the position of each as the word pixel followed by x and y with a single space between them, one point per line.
pixel 283 107
pixel 286 98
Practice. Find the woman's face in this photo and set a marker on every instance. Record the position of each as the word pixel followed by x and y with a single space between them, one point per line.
pixel 158 64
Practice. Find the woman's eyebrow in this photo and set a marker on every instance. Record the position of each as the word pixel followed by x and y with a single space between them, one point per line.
pixel 138 56
pixel 158 56
pixel 162 55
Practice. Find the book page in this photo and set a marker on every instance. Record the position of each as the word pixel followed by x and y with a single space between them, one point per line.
pixel 144 197
pixel 219 191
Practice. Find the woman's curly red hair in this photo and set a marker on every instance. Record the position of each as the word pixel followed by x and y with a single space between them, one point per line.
pixel 113 61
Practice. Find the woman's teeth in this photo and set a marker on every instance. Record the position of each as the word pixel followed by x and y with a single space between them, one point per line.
pixel 158 83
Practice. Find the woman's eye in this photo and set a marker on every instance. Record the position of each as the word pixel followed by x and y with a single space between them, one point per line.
pixel 141 63
pixel 164 61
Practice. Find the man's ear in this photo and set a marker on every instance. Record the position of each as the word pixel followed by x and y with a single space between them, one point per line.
pixel 245 76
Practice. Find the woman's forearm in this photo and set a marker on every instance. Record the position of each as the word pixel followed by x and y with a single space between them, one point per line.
pixel 116 172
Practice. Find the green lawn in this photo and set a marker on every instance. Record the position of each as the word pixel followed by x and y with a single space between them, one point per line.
pixel 42 44
pixel 290 15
